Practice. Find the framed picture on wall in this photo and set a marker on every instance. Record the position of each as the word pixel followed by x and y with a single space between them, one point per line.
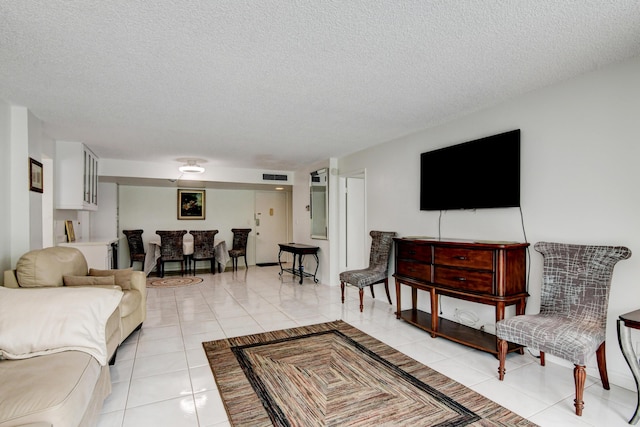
pixel 191 204
pixel 35 176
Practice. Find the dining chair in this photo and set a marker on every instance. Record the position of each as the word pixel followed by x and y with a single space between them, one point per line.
pixel 204 248
pixel 171 249
pixel 239 248
pixel 572 320
pixel 378 269
pixel 136 246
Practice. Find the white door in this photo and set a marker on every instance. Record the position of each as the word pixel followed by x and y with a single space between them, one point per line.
pixel 271 224
pixel 353 236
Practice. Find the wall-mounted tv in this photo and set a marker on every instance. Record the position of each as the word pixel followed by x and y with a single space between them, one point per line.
pixel 483 173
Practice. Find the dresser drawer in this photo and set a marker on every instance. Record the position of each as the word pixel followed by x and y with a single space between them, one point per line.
pixel 465 280
pixel 414 269
pixel 414 251
pixel 461 257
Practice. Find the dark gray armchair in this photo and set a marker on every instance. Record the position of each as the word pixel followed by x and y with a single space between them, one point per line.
pixel 573 310
pixel 378 270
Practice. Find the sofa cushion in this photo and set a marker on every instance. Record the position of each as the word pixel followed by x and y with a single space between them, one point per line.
pixel 89 280
pixel 52 320
pixel 57 388
pixel 131 300
pixel 46 267
pixel 122 277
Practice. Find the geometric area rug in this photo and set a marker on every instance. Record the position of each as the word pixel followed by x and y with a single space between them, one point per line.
pixel 333 374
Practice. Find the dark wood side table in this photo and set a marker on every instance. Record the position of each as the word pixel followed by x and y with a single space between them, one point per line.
pixel 625 323
pixel 300 250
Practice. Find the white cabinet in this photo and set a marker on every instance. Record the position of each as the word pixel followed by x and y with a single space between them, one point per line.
pixel 76 177
pixel 99 254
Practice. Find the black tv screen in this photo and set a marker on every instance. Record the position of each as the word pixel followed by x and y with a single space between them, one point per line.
pixel 483 173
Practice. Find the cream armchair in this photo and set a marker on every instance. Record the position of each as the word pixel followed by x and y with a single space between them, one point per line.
pixel 65 266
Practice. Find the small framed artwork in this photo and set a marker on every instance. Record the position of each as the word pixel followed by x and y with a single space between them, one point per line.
pixel 71 235
pixel 191 204
pixel 35 176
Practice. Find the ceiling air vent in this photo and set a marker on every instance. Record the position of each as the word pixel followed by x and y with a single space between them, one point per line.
pixel 274 177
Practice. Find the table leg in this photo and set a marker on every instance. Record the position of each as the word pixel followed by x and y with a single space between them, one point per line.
pixel 280 263
pixel 300 267
pixel 624 339
pixel 317 265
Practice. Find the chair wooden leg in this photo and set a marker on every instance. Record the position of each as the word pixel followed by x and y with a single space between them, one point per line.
pixel 579 375
pixel 542 358
pixel 602 366
pixel 361 299
pixel 502 355
pixel 342 290
pixel 372 294
pixel 386 288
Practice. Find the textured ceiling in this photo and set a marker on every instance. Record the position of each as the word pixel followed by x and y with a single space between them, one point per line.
pixel 279 84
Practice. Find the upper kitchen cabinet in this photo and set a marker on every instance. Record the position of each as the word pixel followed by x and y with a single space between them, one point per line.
pixel 76 177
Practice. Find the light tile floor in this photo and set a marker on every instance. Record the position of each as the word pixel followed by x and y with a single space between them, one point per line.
pixel 161 376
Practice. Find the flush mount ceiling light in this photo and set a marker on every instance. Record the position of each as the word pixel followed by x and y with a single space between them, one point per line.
pixel 191 166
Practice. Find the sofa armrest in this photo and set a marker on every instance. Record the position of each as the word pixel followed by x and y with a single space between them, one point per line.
pixel 10 279
pixel 139 283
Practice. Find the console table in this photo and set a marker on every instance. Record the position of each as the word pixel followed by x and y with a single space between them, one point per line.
pixel 626 321
pixel 300 250
pixel 492 273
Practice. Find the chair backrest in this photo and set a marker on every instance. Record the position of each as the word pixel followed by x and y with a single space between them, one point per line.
pixel 134 238
pixel 577 280
pixel 203 243
pixel 381 244
pixel 171 244
pixel 240 237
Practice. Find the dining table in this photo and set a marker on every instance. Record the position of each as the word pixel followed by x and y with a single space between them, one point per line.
pixel 153 253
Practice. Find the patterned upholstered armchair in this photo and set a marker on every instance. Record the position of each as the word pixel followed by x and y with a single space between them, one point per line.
pixel 573 310
pixel 378 270
pixel 136 247
pixel 239 248
pixel 204 248
pixel 171 249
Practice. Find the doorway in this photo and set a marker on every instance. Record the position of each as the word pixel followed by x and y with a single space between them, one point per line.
pixel 353 221
pixel 271 219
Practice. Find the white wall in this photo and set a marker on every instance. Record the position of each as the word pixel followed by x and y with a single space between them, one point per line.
pixel 580 179
pixel 155 208
pixel 104 221
pixel 5 188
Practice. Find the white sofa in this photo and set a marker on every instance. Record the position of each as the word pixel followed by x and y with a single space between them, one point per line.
pixel 59 328
pixel 66 266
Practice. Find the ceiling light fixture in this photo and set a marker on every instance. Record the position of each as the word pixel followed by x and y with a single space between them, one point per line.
pixel 191 167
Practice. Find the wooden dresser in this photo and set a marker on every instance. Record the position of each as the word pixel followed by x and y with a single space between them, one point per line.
pixel 492 273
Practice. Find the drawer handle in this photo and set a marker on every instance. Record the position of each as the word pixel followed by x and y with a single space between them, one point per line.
pixel 461 279
pixel 412 252
pixel 461 257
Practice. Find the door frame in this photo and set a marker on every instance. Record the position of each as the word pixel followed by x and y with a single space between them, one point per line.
pixel 344 212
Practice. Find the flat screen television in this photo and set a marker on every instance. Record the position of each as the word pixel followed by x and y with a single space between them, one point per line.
pixel 483 173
